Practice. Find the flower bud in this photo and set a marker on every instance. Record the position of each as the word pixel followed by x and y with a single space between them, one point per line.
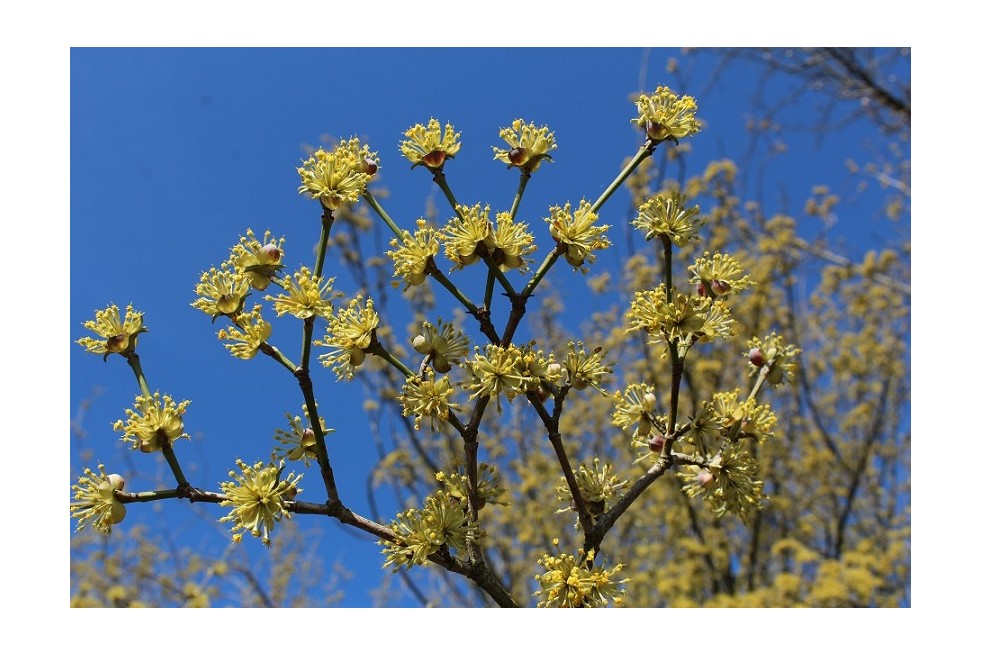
pixel 271 252
pixel 757 357
pixel 644 426
pixel 309 438
pixel 434 159
pixel 116 481
pixel 720 288
pixel 555 370
pixel 369 166
pixel 518 156
pixel 422 345
pixel 656 443
pixel 118 512
pixel 648 402
pixel 705 478
pixel 701 288
pixel 357 357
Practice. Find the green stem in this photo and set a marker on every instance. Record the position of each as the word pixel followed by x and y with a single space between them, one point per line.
pixel 327 220
pixel 308 339
pixel 522 181
pixel 134 361
pixel 373 203
pixel 445 282
pixel 274 352
pixel 641 155
pixel 488 290
pixel 379 350
pixel 551 259
pixel 175 467
pixel 441 181
pixel 494 270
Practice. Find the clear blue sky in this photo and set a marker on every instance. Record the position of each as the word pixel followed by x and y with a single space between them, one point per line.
pixel 174 153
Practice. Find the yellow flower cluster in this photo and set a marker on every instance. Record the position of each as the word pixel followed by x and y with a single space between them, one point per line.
pixel 635 408
pixel 470 235
pixel 597 485
pixel 772 351
pixel 412 257
pixel 427 398
pixel 340 176
pixel 489 489
pixel 443 343
pixel 666 116
pixel 441 522
pixel 95 503
pixel 221 292
pixel 258 261
pixel 683 320
pixel 258 497
pixel 154 424
pixel 529 145
pixel 509 371
pixel 571 581
pixel 666 215
pixel 587 369
pixel 718 276
pixel 299 443
pixel 429 145
pixel 350 333
pixel 576 233
pixel 729 481
pixel 742 419
pixel 115 336
pixel 247 335
pixel 306 295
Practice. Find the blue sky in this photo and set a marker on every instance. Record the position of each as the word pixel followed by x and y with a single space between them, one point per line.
pixel 175 152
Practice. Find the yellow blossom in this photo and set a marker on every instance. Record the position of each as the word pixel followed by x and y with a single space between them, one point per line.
pixel 666 215
pixel 664 115
pixel 247 335
pixel 258 496
pixel 587 370
pixel 576 234
pixel 718 276
pixel 729 482
pixel 513 244
pixel 499 370
pixel 413 255
pixel 153 425
pixel 597 485
pixel 300 443
pixel 306 295
pixel 334 178
pixel 571 581
pixel 441 522
pixel 772 351
pixel 427 398
pixel 221 292
pixel 429 145
pixel 443 343
pixel 258 262
pixel 95 501
pixel 115 336
pixel 465 233
pixel 530 145
pixel 349 333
